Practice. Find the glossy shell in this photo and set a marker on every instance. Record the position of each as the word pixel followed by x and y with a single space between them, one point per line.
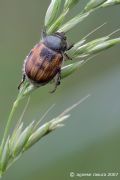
pixel 42 64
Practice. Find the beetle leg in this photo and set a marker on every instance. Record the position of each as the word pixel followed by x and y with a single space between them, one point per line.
pixel 57 81
pixel 67 57
pixel 70 47
pixel 22 81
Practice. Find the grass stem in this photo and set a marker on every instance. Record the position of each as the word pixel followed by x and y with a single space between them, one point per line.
pixel 7 128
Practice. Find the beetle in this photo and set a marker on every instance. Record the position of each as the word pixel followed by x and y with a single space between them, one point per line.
pixel 45 60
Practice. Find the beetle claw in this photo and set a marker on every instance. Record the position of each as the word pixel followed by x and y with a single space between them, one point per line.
pixel 57 82
pixel 53 91
pixel 22 81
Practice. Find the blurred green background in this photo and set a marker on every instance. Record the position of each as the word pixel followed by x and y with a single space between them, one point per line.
pixel 90 140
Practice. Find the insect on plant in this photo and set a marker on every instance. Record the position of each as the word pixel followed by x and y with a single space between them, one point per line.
pixel 44 61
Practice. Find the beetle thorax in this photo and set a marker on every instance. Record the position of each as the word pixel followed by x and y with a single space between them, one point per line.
pixel 56 42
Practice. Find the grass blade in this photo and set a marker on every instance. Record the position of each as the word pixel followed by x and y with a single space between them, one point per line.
pixel 22 140
pixel 73 22
pixel 52 12
pixel 57 23
pixel 92 4
pixel 70 3
pixel 5 157
pixel 110 3
pixel 69 69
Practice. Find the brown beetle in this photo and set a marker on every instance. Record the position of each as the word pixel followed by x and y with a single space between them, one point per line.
pixel 44 61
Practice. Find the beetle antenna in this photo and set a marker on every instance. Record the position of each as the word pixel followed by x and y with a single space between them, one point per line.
pixel 44 32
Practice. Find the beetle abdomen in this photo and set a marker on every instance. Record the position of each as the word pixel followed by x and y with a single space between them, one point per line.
pixel 42 64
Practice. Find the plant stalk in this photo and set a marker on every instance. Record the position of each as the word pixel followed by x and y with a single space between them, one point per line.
pixel 7 128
